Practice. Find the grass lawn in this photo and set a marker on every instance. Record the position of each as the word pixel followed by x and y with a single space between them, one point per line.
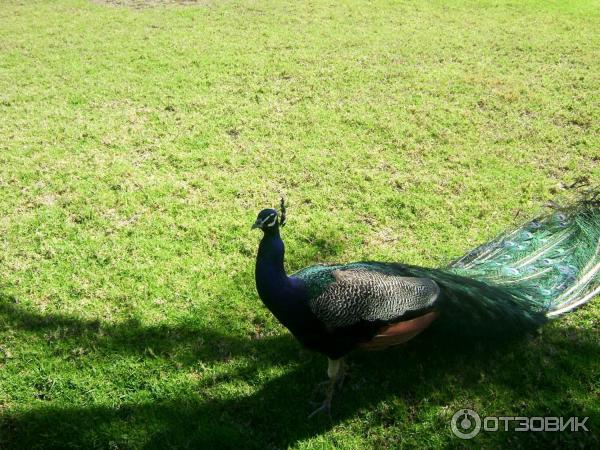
pixel 137 143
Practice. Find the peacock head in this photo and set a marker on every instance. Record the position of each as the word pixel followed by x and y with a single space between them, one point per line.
pixel 269 219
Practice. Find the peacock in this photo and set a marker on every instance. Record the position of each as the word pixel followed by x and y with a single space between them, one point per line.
pixel 508 286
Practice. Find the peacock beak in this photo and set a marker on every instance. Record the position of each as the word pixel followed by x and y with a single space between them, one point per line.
pixel 257 224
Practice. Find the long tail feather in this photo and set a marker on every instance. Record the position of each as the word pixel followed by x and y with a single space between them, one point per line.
pixel 559 254
pixel 545 268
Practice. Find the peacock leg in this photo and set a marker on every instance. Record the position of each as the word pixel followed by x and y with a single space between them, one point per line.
pixel 336 372
pixel 341 374
pixel 320 386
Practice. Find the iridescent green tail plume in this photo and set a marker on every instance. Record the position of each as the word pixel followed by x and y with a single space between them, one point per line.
pixel 517 281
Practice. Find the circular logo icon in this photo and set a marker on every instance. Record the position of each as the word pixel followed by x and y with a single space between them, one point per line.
pixel 465 423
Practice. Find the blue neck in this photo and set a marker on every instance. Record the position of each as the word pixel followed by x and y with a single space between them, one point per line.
pixel 284 296
pixel 271 280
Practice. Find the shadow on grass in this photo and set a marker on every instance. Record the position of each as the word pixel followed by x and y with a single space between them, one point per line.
pixel 185 343
pixel 429 370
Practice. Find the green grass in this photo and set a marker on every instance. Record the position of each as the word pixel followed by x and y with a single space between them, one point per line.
pixel 138 144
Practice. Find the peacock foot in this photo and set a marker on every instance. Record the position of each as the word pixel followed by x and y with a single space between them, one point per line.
pixel 336 372
pixel 324 407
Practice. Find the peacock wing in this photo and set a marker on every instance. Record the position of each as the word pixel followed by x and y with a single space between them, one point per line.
pixel 358 294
